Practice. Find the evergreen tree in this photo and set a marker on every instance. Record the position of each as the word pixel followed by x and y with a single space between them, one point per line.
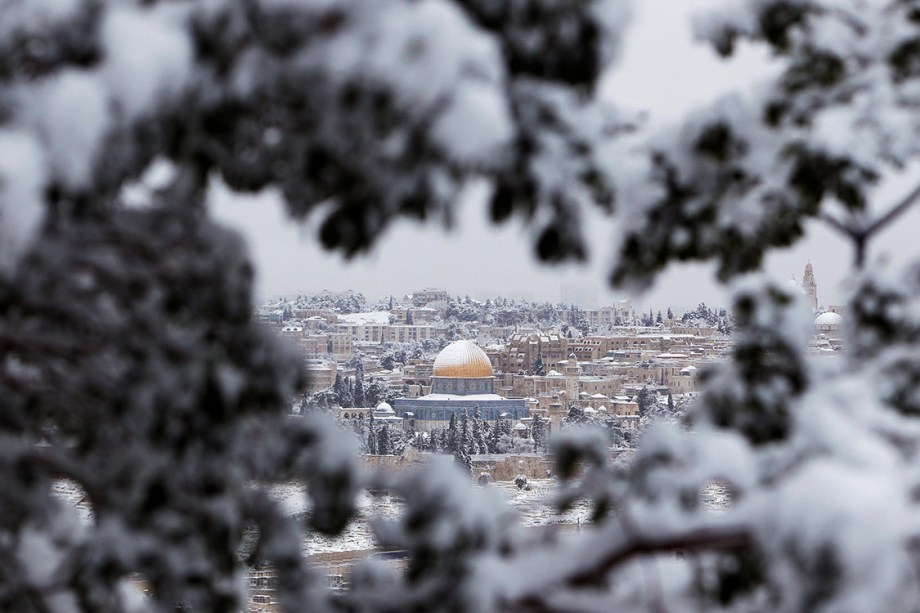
pixel 387 362
pixel 479 433
pixel 500 435
pixel 670 314
pixel 466 433
pixel 359 398
pixel 434 440
pixel 447 441
pixel 452 438
pixel 494 437
pixel 538 368
pixel 670 403
pixel 384 444
pixel 485 440
pixel 538 432
pixel 645 399
pixel 338 388
pixel 371 436
pixel 575 417
pixel 658 318
pixel 409 319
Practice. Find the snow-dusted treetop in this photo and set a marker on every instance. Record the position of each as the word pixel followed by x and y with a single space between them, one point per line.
pixel 129 350
pixel 368 110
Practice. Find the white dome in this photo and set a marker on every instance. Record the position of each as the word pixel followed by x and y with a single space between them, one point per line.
pixel 828 319
pixel 590 411
pixel 463 359
pixel 384 407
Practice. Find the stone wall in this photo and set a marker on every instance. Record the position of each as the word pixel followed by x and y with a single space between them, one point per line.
pixel 500 467
pixel 507 467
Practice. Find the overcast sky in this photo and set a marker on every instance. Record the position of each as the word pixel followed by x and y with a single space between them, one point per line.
pixel 663 71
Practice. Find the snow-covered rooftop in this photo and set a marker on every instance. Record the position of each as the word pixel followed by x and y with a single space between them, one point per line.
pixel 372 317
pixel 461 397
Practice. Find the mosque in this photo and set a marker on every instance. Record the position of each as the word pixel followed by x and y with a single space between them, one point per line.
pixel 461 380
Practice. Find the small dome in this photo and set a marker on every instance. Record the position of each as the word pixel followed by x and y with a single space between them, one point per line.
pixel 384 407
pixel 462 359
pixel 589 411
pixel 828 319
pixel 602 409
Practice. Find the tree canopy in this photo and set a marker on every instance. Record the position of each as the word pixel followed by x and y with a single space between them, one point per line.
pixel 130 351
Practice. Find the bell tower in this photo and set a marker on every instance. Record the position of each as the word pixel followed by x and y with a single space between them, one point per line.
pixel 810 286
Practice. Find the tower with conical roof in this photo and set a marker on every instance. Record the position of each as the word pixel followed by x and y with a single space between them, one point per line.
pixel 810 286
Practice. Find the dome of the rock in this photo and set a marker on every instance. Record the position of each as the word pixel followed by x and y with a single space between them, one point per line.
pixel 462 359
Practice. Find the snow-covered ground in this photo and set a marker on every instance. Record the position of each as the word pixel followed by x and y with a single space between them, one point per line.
pixel 533 503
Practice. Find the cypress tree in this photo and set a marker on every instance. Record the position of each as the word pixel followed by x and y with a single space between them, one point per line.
pixel 371 437
pixel 384 444
pixel 359 399
pixel 453 439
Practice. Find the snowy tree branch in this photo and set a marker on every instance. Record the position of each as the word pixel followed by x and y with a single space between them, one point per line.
pixel 860 236
pixel 701 539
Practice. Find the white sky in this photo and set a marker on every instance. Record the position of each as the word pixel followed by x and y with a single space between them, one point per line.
pixel 663 71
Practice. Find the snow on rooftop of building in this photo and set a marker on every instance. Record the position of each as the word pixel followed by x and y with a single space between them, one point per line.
pixel 372 317
pixel 474 397
pixel 828 319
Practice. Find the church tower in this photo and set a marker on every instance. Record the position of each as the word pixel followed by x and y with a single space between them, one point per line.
pixel 810 286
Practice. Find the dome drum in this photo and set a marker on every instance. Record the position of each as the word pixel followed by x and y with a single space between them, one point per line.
pixel 463 386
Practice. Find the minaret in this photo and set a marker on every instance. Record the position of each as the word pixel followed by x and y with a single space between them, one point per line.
pixel 810 286
pixel 572 372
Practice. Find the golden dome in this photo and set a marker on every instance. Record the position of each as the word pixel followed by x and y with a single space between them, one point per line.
pixel 462 359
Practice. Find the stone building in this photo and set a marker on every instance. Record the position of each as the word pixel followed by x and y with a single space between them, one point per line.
pixel 425 296
pixel 522 351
